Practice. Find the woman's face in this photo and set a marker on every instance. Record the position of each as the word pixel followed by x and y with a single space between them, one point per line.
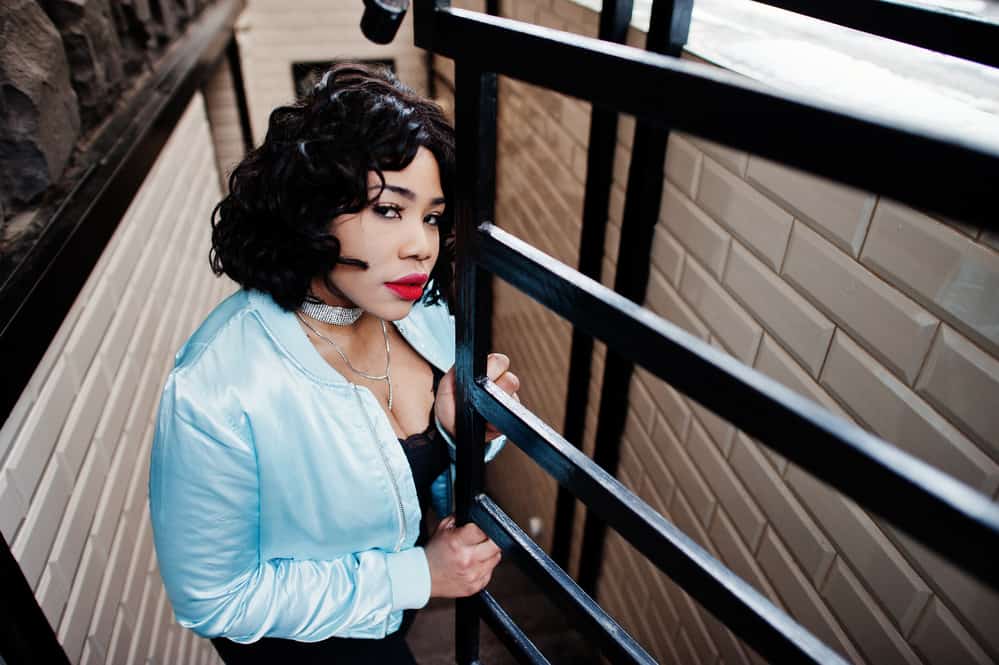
pixel 396 235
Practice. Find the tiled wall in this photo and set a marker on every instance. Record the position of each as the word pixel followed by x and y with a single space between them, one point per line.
pixel 74 453
pixel 878 312
pixel 272 36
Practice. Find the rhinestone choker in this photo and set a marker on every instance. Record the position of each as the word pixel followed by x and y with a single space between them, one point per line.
pixel 337 316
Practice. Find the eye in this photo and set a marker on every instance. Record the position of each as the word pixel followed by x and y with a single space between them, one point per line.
pixel 387 210
pixel 433 218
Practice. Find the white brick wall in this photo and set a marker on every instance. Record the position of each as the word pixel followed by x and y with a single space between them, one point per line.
pixel 273 36
pixel 875 311
pixel 74 453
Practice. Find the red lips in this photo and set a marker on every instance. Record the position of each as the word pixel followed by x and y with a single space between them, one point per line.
pixel 409 287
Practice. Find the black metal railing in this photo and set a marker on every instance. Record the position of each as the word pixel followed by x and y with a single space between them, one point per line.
pixel 812 134
pixel 958 33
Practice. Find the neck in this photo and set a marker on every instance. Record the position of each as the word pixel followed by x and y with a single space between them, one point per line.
pixel 358 338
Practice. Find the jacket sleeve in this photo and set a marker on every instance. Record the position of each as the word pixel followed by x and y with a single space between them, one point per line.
pixel 204 504
pixel 441 498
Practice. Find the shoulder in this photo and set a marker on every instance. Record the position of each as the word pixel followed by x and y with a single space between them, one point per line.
pixel 211 366
pixel 218 324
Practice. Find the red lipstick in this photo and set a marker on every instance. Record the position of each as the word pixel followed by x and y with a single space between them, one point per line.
pixel 409 287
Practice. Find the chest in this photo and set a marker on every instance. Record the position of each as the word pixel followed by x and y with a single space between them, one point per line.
pixel 409 380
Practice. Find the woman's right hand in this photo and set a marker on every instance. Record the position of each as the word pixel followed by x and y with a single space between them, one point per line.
pixel 461 559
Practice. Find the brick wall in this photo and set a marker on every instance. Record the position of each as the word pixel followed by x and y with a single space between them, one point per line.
pixel 880 313
pixel 74 452
pixel 272 37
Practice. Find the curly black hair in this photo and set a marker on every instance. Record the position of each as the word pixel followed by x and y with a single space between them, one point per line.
pixel 272 231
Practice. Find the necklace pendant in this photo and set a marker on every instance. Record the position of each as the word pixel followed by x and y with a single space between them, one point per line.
pixel 386 377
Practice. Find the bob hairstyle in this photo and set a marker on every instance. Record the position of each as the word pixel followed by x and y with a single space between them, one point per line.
pixel 272 231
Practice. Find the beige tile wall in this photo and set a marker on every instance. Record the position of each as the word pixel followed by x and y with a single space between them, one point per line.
pixel 74 453
pixel 272 35
pixel 880 313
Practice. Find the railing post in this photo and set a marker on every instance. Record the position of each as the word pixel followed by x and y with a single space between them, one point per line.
pixel 25 634
pixel 615 16
pixel 475 128
pixel 668 29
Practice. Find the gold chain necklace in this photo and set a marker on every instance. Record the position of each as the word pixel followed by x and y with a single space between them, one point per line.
pixel 386 377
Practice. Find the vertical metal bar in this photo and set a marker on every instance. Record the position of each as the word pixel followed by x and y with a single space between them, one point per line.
pixel 668 30
pixel 424 22
pixel 236 72
pixel 25 634
pixel 475 128
pixel 615 16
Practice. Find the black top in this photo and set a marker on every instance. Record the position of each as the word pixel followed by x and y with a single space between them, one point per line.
pixel 427 453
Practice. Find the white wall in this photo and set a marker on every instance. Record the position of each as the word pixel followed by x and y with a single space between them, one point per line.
pixel 74 453
pixel 272 36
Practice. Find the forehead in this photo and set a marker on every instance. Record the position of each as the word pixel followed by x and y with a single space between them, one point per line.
pixel 421 177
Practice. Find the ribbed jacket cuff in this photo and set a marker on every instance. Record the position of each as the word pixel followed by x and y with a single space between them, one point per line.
pixel 409 575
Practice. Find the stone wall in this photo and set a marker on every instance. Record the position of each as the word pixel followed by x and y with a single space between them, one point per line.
pixel 64 66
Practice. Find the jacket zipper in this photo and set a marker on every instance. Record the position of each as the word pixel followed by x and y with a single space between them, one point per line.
pixel 388 469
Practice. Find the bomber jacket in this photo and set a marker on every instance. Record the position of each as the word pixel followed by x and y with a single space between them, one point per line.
pixel 281 501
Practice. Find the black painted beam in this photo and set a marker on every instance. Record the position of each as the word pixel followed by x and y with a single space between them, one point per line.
pixel 771 632
pixel 958 522
pixel 949 171
pixel 938 29
pixel 475 128
pixel 506 629
pixel 26 638
pixel 589 618
pixel 669 26
pixel 615 16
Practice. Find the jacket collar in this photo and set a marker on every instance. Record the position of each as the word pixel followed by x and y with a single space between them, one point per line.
pixel 416 328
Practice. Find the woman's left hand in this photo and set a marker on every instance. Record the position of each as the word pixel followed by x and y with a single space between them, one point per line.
pixel 498 371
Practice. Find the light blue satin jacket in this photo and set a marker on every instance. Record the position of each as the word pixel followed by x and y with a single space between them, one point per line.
pixel 282 503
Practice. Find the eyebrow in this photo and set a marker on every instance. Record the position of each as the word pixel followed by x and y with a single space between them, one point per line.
pixel 405 193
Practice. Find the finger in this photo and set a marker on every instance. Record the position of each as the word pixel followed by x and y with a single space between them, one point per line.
pixel 509 382
pixel 470 534
pixel 496 364
pixel 446 523
pixel 483 552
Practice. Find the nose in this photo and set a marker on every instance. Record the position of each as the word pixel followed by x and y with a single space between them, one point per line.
pixel 420 239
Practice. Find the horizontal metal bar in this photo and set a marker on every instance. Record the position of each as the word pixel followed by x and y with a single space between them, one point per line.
pixel 943 513
pixel 952 171
pixel 936 28
pixel 507 630
pixel 771 632
pixel 591 620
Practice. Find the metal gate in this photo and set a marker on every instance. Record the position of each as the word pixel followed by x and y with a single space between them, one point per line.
pixel 666 93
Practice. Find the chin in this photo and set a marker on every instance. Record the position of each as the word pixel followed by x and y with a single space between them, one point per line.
pixel 394 312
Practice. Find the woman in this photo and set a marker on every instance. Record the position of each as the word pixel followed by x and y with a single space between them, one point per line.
pixel 300 432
